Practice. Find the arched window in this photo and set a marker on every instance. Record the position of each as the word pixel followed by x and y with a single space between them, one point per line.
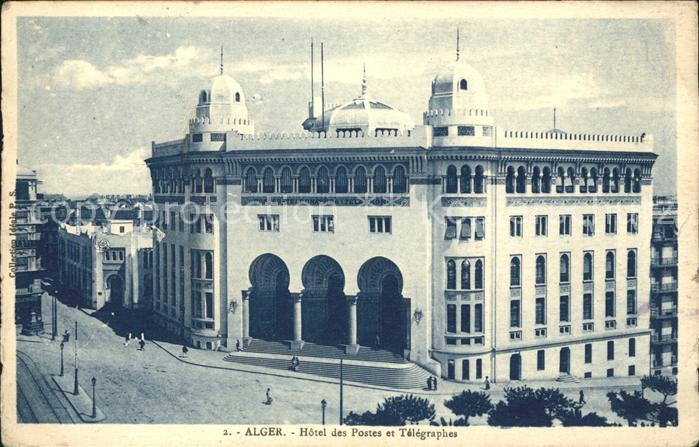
pixel 341 186
pixel 451 275
pixel 510 180
pixel 250 180
pixel 587 267
pixel 615 180
pixel 560 180
pixel 521 180
pixel 208 181
pixel 570 186
pixel 609 266
pixel 322 180
pixel 360 180
pixel 286 183
pixel 540 270
pixel 565 269
pixel 399 180
pixel 463 85
pixel 593 180
pixel 451 180
pixel 465 179
pixel 536 180
pixel 237 96
pixel 631 264
pixel 198 183
pixel 479 181
pixel 627 181
pixel 515 278
pixel 197 264
pixel 583 180
pixel 605 180
pixel 209 265
pixel 268 181
pixel 379 185
pixel 546 180
pixel 637 180
pixel 479 275
pixel 304 180
pixel 466 275
pixel 202 97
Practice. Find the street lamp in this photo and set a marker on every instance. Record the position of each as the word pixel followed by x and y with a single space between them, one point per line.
pixel 323 404
pixel 94 407
pixel 62 346
pixel 75 345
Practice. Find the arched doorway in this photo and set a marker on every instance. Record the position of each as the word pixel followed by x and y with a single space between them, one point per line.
pixel 382 311
pixel 515 367
pixel 324 304
pixel 115 296
pixel 271 311
pixel 564 361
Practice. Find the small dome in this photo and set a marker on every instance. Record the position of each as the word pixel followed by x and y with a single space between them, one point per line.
pixel 225 89
pixel 458 87
pixel 221 108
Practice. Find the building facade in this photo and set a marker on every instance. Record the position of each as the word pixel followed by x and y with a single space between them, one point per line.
pixel 469 249
pixel 99 265
pixel 663 283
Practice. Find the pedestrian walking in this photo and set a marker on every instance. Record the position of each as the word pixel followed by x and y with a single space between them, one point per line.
pixel 434 383
pixel 487 383
pixel 429 383
pixel 581 399
pixel 66 336
pixel 237 345
pixel 184 351
pixel 126 341
pixel 142 345
pixel 268 397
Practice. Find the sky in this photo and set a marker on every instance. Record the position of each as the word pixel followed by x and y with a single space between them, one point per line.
pixel 94 92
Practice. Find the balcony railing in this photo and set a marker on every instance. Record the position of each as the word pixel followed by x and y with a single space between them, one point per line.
pixel 664 338
pixel 659 237
pixel 664 262
pixel 659 362
pixel 664 313
pixel 670 287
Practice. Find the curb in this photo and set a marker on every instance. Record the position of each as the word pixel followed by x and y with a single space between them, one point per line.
pixel 70 397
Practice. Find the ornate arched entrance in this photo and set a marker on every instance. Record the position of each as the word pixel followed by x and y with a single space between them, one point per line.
pixel 324 303
pixel 382 311
pixel 515 367
pixel 271 312
pixel 116 290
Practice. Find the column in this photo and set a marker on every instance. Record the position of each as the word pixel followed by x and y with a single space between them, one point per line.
pixel 246 318
pixel 297 342
pixel 352 347
pixel 332 185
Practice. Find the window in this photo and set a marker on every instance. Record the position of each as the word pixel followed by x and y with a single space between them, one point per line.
pixel 440 131
pixel 587 267
pixel 465 370
pixel 251 180
pixel 540 311
pixel 564 309
pixel 209 223
pixel 479 275
pixel 540 360
pixel 466 318
pixel 631 264
pixel 610 372
pixel 305 181
pixel 463 85
pixel 632 370
pixel 209 265
pixel 480 228
pixel 542 223
pixel 588 353
pixel 587 306
pixel 451 274
pixel 565 269
pixel 515 269
pixel 466 131
pixel 632 223
pixel 588 224
pixel 341 183
pixel 631 307
pixel 564 224
pixel 466 275
pixel 540 270
pixel 478 318
pixel 609 266
pixel 609 304
pixel 380 184
pixel 451 318
pixel 209 305
pixel 479 368
pixel 268 222
pixel 632 347
pixel 360 183
pixel 516 226
pixel 515 313
pixel 450 232
pixel 610 350
pixel 399 180
pixel 324 224
pixel 487 130
pixel 379 224
pixel 121 229
pixel 197 138
pixel 465 229
pixel 610 223
pixel 268 181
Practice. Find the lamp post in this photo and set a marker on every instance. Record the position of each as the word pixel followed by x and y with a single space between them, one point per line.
pixel 75 360
pixel 94 406
pixel 62 346
pixel 341 390
pixel 323 404
pixel 53 318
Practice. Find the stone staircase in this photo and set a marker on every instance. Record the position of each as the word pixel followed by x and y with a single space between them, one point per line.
pixel 324 351
pixel 567 378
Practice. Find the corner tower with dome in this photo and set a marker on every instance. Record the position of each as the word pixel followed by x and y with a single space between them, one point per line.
pixel 459 245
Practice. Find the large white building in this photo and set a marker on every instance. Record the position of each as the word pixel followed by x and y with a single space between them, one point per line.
pixel 471 249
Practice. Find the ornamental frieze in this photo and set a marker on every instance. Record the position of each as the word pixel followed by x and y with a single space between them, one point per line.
pixel 168 199
pixel 463 201
pixel 402 201
pixel 564 201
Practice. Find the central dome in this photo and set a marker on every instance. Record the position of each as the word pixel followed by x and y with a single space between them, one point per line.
pixel 458 87
pixel 221 108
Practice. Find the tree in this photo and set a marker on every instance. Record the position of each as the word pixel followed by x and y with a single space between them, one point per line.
pixel 630 406
pixel 395 411
pixel 469 403
pixel 664 385
pixel 635 406
pixel 460 422
pixel 525 407
pixel 576 419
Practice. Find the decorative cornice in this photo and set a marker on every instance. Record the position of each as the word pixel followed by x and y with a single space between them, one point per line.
pixel 256 200
pixel 463 201
pixel 168 199
pixel 564 201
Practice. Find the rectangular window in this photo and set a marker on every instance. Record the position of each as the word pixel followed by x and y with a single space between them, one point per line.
pixel 542 223
pixel 516 226
pixel 610 223
pixel 564 314
pixel 450 232
pixel 121 229
pixel 181 222
pixel 610 372
pixel 324 224
pixel 540 311
pixel 515 313
pixel 632 370
pixel 209 223
pixel 379 224
pixel 609 304
pixel 631 307
pixel 479 368
pixel 451 318
pixel 268 222
pixel 540 360
pixel 632 223
pixel 587 306
pixel 466 318
pixel 588 224
pixel 565 224
pixel 588 353
pixel 610 350
pixel 466 131
pixel 632 347
pixel 478 318
pixel 487 131
pixel 465 370
pixel 480 228
pixel 197 138
pixel 197 304
pixel 440 131
pixel 209 305
pixel 465 229
pixel 218 136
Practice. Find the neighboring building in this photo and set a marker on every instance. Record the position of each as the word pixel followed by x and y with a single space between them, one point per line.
pixel 107 264
pixel 663 298
pixel 469 249
pixel 28 268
